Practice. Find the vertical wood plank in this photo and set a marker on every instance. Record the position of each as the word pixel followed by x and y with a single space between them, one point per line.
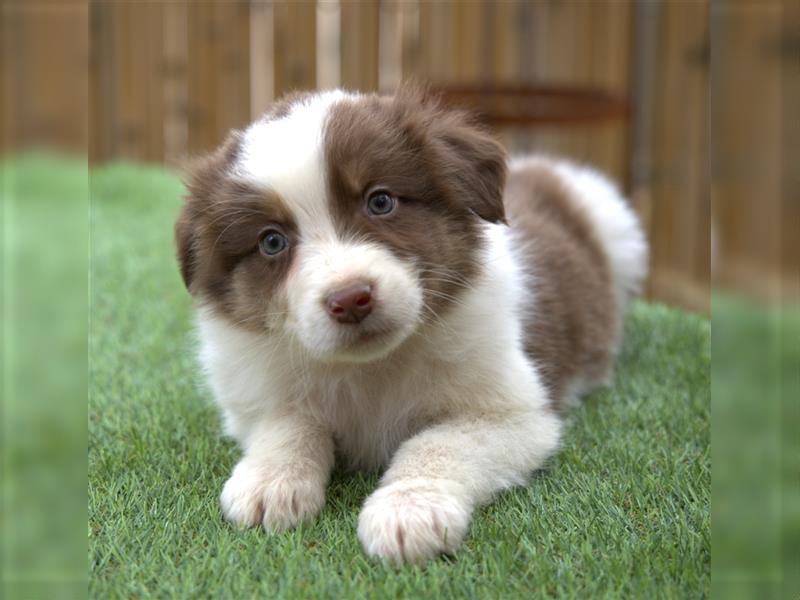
pixel 509 28
pixel 152 16
pixel 329 44
pixel 411 51
pixel 126 126
pixel 6 71
pixel 101 83
pixel 295 46
pixel 129 27
pixel 505 59
pixel 202 78
pixel 560 63
pixel 175 69
pixel 262 59
pixel 787 52
pixel 747 126
pixel 359 44
pixel 232 62
pixel 467 50
pixel 219 71
pixel 390 45
pixel 435 35
pixel 608 57
pixel 679 194
pixel 44 64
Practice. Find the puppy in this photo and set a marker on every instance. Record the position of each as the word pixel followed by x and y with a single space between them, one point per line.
pixel 375 281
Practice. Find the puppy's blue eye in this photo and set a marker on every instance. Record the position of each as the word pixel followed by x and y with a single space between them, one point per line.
pixel 380 203
pixel 272 242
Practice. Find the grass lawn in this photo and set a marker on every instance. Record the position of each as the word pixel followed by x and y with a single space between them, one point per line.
pixel 623 510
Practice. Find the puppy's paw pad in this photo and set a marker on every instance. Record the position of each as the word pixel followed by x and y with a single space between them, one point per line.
pixel 276 500
pixel 413 521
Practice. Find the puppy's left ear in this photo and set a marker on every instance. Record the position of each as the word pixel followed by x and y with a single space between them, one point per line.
pixel 475 164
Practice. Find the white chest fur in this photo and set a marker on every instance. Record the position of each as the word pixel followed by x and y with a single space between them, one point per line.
pixel 453 365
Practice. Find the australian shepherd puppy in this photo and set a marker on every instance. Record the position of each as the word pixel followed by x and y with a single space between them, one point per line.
pixel 375 281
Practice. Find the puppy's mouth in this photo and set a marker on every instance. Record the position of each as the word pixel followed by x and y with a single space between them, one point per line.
pixel 359 343
pixel 360 337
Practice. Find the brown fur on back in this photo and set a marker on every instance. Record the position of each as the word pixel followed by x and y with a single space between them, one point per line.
pixel 573 326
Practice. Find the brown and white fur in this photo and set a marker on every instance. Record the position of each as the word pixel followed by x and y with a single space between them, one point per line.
pixel 497 295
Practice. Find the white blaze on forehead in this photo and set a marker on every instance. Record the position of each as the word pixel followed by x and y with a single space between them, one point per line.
pixel 286 155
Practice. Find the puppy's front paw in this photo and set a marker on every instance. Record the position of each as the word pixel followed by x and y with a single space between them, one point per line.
pixel 412 521
pixel 276 499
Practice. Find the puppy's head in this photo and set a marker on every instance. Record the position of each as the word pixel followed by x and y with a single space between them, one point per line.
pixel 341 221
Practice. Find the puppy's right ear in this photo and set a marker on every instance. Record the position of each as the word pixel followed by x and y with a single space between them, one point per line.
pixel 199 182
pixel 202 178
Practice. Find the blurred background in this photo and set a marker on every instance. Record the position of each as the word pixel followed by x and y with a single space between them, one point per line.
pixel 620 84
pixel 692 105
pixel 623 85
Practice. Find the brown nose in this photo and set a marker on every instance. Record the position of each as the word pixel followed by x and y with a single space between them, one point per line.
pixel 350 304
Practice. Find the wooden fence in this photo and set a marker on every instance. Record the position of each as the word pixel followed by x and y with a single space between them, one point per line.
pixel 168 79
pixel 171 78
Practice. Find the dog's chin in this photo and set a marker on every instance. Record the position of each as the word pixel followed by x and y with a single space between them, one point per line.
pixel 353 344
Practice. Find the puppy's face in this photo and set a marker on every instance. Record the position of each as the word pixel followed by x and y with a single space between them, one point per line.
pixel 342 222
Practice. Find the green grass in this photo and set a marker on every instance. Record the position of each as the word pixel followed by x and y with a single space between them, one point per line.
pixel 43 358
pixel 756 454
pixel 622 511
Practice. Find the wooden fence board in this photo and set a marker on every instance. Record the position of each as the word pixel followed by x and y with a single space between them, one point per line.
pixel 295 46
pixel 467 49
pixel 390 45
pixel 359 45
pixel 175 79
pixel 171 78
pixel 44 72
pixel 202 81
pixel 262 58
pixel 748 124
pixel 787 51
pixel 101 96
pixel 219 73
pixel 410 27
pixel 609 50
pixel 678 188
pixel 151 19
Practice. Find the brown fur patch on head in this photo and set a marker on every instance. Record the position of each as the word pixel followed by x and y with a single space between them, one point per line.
pixel 444 171
pixel 217 235
pixel 574 326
